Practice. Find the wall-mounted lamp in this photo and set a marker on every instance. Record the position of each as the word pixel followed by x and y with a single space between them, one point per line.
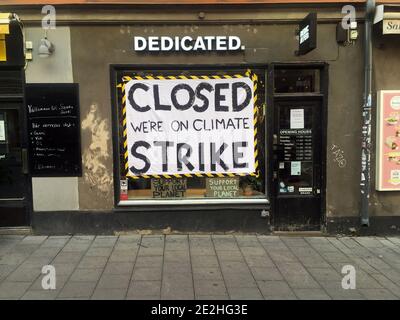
pixel 46 48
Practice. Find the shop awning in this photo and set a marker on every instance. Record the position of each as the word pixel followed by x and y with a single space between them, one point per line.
pixel 389 17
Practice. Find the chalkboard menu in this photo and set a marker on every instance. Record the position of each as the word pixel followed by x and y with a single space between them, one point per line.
pixel 53 129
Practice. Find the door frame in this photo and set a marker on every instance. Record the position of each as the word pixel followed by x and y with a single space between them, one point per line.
pixel 27 179
pixel 271 97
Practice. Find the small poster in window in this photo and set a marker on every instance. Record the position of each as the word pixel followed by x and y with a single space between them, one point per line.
pixel 124 189
pixel 295 168
pixel 168 188
pixel 296 118
pixel 227 187
pixel 2 131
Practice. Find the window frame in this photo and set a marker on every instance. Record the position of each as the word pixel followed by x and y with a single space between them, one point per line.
pixel 208 202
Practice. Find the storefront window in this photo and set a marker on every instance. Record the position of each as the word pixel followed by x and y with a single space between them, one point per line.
pixel 205 157
pixel 297 80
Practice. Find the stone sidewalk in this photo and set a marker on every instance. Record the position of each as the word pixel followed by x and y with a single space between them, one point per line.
pixel 199 267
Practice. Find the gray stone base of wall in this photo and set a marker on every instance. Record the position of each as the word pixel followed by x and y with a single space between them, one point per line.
pixel 379 226
pixel 223 220
pixel 207 221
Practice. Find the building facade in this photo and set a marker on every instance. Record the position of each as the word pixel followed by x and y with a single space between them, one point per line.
pixel 137 118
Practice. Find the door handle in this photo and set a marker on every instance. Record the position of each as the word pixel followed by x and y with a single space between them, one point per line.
pixel 24 156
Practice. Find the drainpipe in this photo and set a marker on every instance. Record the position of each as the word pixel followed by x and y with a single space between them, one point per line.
pixel 366 114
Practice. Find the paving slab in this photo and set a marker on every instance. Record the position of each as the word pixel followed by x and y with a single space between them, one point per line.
pixel 378 294
pixel 109 294
pixel 340 294
pixel 92 262
pixel 266 273
pixel 86 275
pixel 178 293
pixel 82 289
pixel 311 294
pixel 149 273
pixel 144 288
pixel 114 281
pixel 239 280
pixel 118 267
pixel 276 290
pixel 13 289
pixel 207 273
pixel 209 287
pixel 40 295
pixel 249 293
pixel 205 261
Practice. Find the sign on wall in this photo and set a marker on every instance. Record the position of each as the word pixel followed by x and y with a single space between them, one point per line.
pixel 307 34
pixel 53 129
pixel 388 141
pixel 391 27
pixel 179 126
pixel 187 44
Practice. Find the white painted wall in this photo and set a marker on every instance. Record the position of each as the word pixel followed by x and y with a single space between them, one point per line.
pixel 52 194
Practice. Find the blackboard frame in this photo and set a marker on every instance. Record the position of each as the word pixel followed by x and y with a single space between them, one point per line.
pixel 48 87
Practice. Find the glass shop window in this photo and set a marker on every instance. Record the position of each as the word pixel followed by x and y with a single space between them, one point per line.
pixel 191 134
pixel 297 81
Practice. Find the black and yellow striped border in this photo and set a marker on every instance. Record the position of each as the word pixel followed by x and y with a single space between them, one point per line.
pixel 248 73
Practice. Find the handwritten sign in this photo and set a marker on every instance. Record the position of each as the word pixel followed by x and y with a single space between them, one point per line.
pixel 53 129
pixel 188 126
pixel 168 188
pixel 222 187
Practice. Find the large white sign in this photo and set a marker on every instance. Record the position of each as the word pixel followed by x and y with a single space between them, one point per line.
pixel 189 126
